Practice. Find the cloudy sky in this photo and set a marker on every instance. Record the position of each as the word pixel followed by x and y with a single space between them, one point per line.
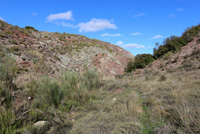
pixel 135 25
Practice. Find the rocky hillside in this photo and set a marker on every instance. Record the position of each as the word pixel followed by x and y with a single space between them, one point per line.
pixel 161 98
pixel 52 53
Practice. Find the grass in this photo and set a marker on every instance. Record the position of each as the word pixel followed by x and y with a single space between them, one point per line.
pixel 6 122
pixel 170 100
pixel 38 59
pixel 163 103
pixel 15 50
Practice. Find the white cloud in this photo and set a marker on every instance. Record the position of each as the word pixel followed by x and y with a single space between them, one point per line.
pixel 92 26
pixel 134 45
pixel 96 25
pixel 64 24
pixel 180 9
pixel 60 16
pixel 34 14
pixel 120 43
pixel 157 37
pixel 131 45
pixel 172 16
pixel 135 34
pixel 2 19
pixel 111 35
pixel 139 15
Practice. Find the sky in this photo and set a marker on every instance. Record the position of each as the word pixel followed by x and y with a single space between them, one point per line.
pixel 135 25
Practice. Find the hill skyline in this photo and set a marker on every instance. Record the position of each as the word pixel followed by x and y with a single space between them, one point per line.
pixel 131 25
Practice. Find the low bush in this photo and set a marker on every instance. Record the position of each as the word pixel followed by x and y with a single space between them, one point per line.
pixel 30 28
pixel 162 78
pixel 8 70
pixel 140 62
pixel 48 92
pixel 68 91
pixel 7 122
pixel 91 79
pixel 127 128
pixel 77 87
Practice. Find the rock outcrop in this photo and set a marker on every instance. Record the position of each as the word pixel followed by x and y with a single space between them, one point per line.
pixel 52 53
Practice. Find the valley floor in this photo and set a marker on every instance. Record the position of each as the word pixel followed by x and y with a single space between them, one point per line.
pixel 142 104
pixel 152 102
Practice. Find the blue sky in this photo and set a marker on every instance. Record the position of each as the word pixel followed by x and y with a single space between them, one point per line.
pixel 135 25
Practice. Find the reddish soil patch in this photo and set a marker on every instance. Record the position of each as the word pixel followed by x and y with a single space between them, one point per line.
pixel 117 91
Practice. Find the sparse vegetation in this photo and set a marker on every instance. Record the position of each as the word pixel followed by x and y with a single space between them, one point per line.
pixel 15 50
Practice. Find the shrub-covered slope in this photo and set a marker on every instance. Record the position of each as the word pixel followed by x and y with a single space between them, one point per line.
pixel 172 54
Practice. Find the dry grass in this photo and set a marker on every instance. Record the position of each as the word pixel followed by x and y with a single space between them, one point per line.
pixel 174 100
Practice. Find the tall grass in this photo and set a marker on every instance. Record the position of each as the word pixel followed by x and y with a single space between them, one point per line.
pixel 7 122
pixel 8 70
pixel 48 92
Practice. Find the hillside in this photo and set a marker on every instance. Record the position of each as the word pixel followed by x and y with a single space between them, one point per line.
pixel 48 85
pixel 186 59
pixel 52 53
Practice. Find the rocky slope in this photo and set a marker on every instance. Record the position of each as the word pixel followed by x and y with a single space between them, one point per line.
pixel 52 53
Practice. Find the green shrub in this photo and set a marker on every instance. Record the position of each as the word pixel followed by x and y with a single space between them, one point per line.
pixel 15 50
pixel 130 66
pixel 48 92
pixel 73 87
pixel 162 78
pixel 174 43
pixel 167 56
pixel 7 122
pixel 140 62
pixel 8 70
pixel 127 128
pixel 68 92
pixel 32 86
pixel 91 79
pixel 71 90
pixel 68 105
pixel 6 95
pixel 171 44
pixel 14 42
pixel 30 28
pixel 57 58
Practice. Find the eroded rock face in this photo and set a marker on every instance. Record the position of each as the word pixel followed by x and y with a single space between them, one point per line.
pixel 52 53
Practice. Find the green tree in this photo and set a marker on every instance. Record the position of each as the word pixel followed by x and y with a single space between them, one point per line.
pixel 140 61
